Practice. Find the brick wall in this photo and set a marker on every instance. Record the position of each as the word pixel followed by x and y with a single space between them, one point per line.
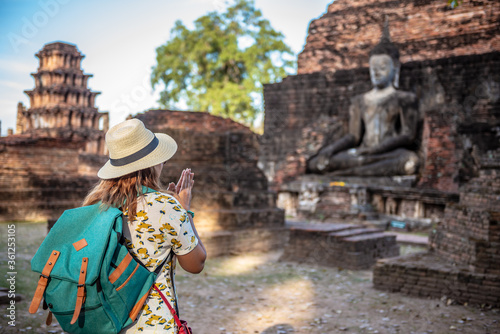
pixel 39 177
pixel 422 30
pixel 463 263
pixel 470 233
pixel 428 275
pixel 441 151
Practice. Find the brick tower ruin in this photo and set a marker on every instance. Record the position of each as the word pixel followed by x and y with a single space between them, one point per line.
pixel 51 161
pixel 61 104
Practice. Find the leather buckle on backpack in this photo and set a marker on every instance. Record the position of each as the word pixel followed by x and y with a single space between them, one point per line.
pixel 80 285
pixel 42 282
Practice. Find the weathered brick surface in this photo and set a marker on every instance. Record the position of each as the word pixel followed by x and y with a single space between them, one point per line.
pixel 470 233
pixel 429 275
pixel 440 153
pixel 422 30
pixel 464 262
pixel 39 177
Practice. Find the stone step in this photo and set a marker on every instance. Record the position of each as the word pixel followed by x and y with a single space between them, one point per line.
pixel 324 228
pixel 374 236
pixel 410 239
pixel 354 232
pixel 334 244
pixel 360 243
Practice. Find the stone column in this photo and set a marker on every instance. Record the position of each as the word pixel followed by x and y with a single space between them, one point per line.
pixel 66 118
pixel 89 119
pixel 21 119
pixel 75 120
pixel 105 121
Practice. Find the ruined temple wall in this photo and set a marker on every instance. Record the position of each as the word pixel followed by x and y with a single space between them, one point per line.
pixel 460 109
pixel 464 258
pixel 422 30
pixel 427 275
pixel 40 178
pixel 470 233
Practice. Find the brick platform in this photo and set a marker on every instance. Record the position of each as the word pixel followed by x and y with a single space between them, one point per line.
pixel 464 261
pixel 347 246
pixel 428 275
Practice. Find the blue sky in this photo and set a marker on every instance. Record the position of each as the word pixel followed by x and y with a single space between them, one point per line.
pixel 119 39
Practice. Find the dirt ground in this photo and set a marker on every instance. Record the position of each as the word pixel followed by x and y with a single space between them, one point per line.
pixel 257 293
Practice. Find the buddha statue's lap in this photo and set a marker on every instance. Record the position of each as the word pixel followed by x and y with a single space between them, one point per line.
pixel 382 126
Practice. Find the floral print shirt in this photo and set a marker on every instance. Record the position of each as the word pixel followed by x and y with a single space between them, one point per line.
pixel 160 227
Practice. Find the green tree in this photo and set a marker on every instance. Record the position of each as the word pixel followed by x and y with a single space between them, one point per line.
pixel 454 3
pixel 221 64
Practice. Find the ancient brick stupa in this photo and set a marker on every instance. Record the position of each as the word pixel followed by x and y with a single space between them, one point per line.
pixel 61 104
pixel 49 164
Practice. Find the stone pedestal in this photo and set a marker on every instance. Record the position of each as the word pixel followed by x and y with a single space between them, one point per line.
pixel 324 197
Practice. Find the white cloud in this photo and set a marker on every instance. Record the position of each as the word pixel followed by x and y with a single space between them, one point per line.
pixel 14 66
pixel 13 84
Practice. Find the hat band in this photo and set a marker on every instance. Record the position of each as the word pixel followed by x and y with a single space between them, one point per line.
pixel 137 155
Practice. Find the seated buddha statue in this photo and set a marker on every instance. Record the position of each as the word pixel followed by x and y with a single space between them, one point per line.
pixel 382 125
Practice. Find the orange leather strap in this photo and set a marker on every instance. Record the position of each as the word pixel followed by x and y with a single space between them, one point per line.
pixel 120 268
pixel 42 282
pixel 138 306
pixel 80 295
pixel 128 278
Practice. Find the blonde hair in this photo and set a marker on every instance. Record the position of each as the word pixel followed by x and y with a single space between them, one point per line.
pixel 122 192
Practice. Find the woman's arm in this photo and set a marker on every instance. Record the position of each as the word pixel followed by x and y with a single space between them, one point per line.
pixel 194 261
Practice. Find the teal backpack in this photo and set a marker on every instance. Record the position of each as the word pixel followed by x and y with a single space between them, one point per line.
pixel 89 280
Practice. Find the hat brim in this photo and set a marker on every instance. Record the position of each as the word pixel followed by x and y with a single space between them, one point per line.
pixel 164 151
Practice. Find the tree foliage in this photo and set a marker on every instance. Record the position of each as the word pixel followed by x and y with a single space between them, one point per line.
pixel 221 64
pixel 454 3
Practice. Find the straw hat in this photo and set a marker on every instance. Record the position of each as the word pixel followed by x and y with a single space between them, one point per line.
pixel 132 147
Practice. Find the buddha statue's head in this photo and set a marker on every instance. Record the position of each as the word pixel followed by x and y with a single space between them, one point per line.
pixel 384 62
